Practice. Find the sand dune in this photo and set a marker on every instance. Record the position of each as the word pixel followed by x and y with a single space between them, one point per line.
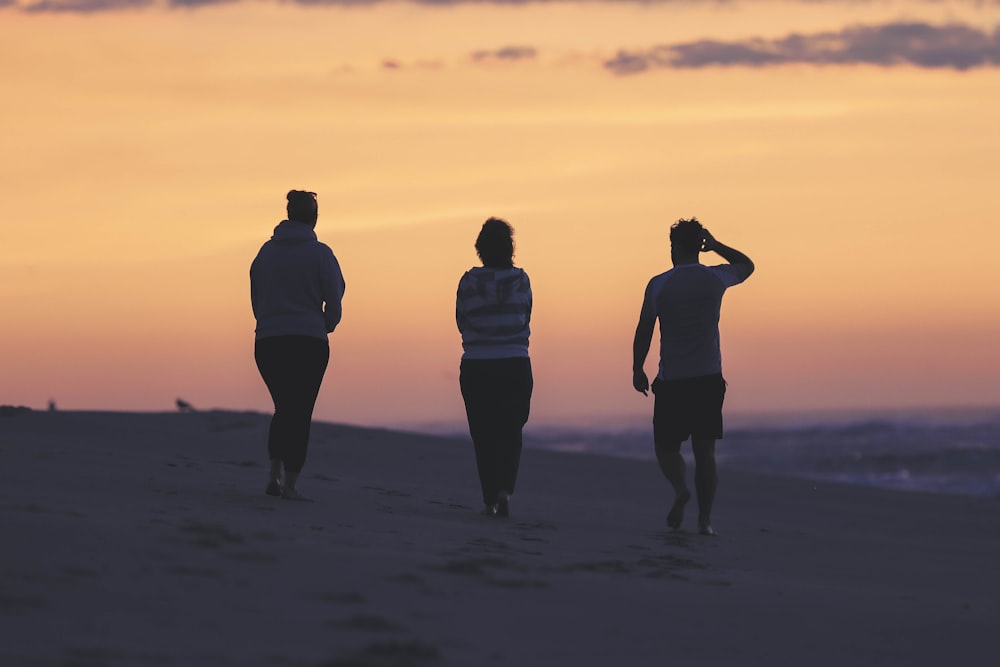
pixel 146 539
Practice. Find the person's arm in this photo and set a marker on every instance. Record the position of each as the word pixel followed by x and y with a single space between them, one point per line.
pixel 333 293
pixel 640 345
pixel 253 293
pixel 527 315
pixel 460 305
pixel 731 255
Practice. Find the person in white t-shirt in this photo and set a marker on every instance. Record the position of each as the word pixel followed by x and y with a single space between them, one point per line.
pixel 689 388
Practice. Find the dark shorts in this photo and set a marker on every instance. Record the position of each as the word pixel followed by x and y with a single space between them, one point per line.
pixel 689 407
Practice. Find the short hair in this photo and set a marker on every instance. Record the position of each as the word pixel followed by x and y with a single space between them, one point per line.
pixel 687 236
pixel 302 206
pixel 495 244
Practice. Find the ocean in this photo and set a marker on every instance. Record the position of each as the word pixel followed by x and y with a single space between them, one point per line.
pixel 955 451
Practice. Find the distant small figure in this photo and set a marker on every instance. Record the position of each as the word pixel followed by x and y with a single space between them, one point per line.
pixel 689 387
pixel 296 289
pixel 493 312
pixel 52 405
pixel 184 406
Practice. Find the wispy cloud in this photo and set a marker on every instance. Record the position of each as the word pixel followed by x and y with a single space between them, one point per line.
pixel 198 3
pixel 508 53
pixel 957 47
pixel 80 6
pixel 92 6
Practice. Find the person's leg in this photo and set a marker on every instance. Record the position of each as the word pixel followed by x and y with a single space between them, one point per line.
pixel 709 394
pixel 668 435
pixel 269 355
pixel 668 455
pixel 307 362
pixel 672 465
pixel 515 398
pixel 705 481
pixel 273 487
pixel 475 382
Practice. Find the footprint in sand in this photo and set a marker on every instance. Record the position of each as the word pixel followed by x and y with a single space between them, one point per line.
pixel 352 597
pixel 368 623
pixel 390 654
pixel 209 535
pixel 405 578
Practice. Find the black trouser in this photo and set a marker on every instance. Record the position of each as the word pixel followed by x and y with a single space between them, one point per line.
pixel 497 395
pixel 292 368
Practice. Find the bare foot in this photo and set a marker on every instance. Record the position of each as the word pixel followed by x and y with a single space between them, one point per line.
pixel 676 515
pixel 705 527
pixel 292 494
pixel 503 504
pixel 274 479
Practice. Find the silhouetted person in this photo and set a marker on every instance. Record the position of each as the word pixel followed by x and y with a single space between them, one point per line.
pixel 689 388
pixel 296 288
pixel 493 311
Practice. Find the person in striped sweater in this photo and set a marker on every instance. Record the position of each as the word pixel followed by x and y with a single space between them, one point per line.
pixel 493 312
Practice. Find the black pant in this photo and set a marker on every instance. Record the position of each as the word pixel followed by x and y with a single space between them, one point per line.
pixel 292 368
pixel 497 395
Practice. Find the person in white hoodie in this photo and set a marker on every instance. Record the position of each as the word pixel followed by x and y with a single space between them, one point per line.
pixel 493 312
pixel 296 289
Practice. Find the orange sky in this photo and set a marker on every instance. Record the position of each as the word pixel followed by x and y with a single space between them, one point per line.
pixel 146 154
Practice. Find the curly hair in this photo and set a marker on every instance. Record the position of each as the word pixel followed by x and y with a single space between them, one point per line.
pixel 687 236
pixel 495 244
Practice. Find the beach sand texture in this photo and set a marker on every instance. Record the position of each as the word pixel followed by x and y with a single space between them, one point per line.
pixel 146 539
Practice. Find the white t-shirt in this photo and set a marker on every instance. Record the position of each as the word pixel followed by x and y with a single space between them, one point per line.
pixel 687 299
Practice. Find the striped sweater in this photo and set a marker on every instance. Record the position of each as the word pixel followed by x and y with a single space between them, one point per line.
pixel 493 311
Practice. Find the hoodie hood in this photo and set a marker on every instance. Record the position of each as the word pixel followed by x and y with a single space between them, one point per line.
pixel 288 231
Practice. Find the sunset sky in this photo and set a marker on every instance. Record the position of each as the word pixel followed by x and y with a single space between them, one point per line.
pixel 851 148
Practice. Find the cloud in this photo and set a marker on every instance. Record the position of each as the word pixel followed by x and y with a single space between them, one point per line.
pixel 81 6
pixel 92 6
pixel 193 4
pixel 508 53
pixel 953 46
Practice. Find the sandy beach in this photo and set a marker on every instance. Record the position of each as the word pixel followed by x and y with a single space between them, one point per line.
pixel 146 539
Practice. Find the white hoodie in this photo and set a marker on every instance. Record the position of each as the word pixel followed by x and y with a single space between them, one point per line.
pixel 296 285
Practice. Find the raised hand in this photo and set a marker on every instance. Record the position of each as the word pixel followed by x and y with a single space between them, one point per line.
pixel 708 242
